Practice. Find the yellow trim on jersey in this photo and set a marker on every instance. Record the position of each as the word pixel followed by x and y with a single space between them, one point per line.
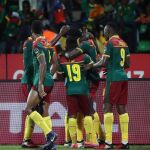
pixel 116 36
pixel 39 55
pixel 72 62
pixel 121 46
pixel 59 72
pixel 105 55
pixel 79 49
pixel 78 41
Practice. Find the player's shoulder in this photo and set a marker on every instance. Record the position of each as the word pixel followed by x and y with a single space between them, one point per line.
pixel 118 42
pixel 41 40
pixel 28 42
pixel 62 59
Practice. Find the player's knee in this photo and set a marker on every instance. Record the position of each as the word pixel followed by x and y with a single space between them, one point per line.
pixel 107 108
pixel 121 109
pixel 28 111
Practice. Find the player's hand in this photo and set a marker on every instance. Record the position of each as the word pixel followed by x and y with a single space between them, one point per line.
pixel 41 90
pixel 64 29
pixel 87 66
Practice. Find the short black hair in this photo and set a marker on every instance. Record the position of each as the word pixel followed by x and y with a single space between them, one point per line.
pixel 37 27
pixel 113 26
pixel 72 36
pixel 26 2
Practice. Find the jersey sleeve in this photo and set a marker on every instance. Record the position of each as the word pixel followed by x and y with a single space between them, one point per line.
pixel 87 59
pixel 85 47
pixel 60 68
pixel 38 49
pixel 107 49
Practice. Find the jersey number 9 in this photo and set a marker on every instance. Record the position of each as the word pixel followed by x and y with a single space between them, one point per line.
pixel 122 54
pixel 74 72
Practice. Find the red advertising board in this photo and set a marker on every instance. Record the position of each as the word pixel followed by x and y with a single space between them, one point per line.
pixel 2 67
pixel 11 67
pixel 12 104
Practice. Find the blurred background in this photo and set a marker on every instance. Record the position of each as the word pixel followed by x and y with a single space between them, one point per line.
pixel 132 17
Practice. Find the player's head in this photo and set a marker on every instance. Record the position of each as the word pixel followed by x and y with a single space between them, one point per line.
pixel 26 6
pixel 72 36
pixel 109 30
pixel 36 27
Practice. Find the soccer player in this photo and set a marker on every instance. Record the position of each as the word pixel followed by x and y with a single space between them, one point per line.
pixel 77 92
pixel 27 83
pixel 43 83
pixel 116 58
pixel 86 45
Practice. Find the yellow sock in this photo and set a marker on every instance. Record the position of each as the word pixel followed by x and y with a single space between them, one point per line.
pixel 97 127
pixel 29 127
pixel 38 119
pixel 80 119
pixel 73 129
pixel 124 121
pixel 88 125
pixel 48 122
pixel 94 135
pixel 67 135
pixel 108 125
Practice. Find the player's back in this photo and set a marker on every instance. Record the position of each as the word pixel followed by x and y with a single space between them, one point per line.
pixel 41 46
pixel 118 52
pixel 76 81
pixel 90 49
pixel 28 61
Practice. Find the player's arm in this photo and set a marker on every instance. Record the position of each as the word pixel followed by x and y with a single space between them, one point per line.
pixel 63 31
pixel 74 53
pixel 42 72
pixel 60 72
pixel 42 67
pixel 83 48
pixel 105 57
pixel 127 59
pixel 88 63
pixel 102 62
pixel 54 63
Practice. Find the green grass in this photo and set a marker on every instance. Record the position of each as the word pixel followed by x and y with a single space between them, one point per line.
pixel 60 147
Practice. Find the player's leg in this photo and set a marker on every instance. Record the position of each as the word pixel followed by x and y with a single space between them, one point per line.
pixel 88 122
pixel 72 105
pixel 32 101
pixel 80 128
pixel 29 125
pixel 96 120
pixel 46 116
pixel 108 116
pixel 67 135
pixel 123 115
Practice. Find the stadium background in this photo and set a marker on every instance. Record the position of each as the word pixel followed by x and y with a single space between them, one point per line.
pixel 12 101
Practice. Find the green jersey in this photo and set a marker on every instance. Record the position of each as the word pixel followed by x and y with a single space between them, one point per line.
pixel 89 48
pixel 27 77
pixel 41 47
pixel 75 75
pixel 117 50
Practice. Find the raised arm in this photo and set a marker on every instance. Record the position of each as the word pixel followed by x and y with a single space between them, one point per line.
pixel 63 31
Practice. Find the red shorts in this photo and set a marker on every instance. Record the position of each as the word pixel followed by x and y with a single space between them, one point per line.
pixel 116 92
pixel 78 103
pixel 25 90
pixel 93 89
pixel 47 90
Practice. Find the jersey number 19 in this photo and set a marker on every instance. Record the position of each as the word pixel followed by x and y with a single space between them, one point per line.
pixel 74 72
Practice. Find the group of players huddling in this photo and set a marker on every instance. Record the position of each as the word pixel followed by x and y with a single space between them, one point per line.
pixel 79 65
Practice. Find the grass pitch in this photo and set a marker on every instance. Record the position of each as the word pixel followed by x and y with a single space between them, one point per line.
pixel 60 147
